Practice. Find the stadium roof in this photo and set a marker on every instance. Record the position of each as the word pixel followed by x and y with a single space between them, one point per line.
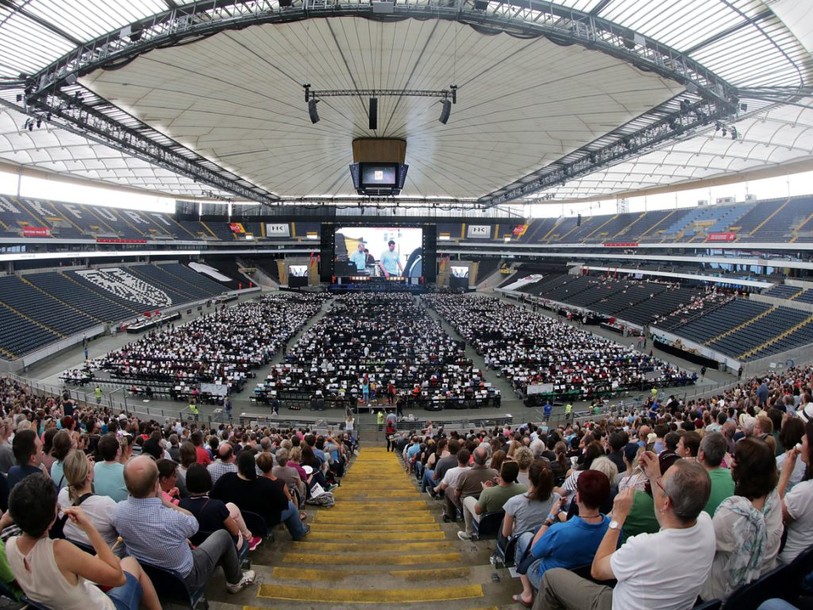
pixel 573 99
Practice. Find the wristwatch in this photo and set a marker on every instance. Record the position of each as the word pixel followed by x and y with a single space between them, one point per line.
pixel 615 525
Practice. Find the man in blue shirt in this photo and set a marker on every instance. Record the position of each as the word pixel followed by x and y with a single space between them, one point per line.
pixel 156 532
pixel 547 410
pixel 389 263
pixel 359 258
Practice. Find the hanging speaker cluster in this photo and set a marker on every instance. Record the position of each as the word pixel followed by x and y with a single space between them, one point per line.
pixel 373 113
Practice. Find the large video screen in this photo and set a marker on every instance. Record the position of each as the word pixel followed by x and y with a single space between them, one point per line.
pixel 379 251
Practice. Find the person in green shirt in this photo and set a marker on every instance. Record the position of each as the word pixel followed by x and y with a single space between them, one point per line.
pixel 379 419
pixel 492 498
pixel 641 518
pixel 712 450
pixel 568 411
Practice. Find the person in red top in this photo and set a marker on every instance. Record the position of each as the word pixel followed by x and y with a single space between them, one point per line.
pixel 203 456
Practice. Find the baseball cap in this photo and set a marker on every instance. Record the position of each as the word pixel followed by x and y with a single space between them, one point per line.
pixel 806 413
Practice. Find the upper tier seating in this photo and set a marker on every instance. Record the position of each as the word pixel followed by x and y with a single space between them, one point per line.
pixel 707 218
pixel 780 226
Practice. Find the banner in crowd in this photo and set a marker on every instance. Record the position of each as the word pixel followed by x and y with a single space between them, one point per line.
pixel 620 244
pixel 36 232
pixel 722 236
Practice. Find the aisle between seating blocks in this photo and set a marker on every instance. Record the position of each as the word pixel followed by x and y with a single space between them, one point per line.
pixel 382 545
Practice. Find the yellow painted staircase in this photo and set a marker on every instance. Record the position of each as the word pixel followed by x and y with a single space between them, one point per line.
pixel 383 545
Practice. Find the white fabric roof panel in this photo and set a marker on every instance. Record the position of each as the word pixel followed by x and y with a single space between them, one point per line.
pixel 236 98
pixel 706 156
pixel 52 149
pixel 521 103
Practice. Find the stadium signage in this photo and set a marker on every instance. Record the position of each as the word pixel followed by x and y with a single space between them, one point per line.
pixel 722 236
pixel 36 232
pixel 478 232
pixel 621 244
pixel 119 240
pixel 277 230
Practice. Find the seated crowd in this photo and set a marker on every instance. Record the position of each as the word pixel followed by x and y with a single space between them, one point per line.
pixel 676 505
pixel 370 345
pixel 531 349
pixel 96 496
pixel 220 348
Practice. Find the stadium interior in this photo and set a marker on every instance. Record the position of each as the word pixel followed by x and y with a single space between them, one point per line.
pixel 384 224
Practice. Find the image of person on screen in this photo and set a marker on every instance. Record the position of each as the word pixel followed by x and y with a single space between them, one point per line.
pixel 370 258
pixel 389 263
pixel 359 259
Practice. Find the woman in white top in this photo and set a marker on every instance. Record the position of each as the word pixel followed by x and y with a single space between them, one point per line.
pixel 797 504
pixel 79 474
pixel 57 573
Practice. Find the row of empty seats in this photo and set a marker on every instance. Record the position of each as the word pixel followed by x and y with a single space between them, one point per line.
pixel 42 218
pixel 40 308
pixel 753 336
pixel 720 320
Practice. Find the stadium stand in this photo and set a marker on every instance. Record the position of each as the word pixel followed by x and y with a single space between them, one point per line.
pixel 782 291
pixel 627 295
pixel 487 268
pixel 666 302
pixel 805 297
pixel 756 332
pixel 178 291
pixel 723 319
pixel 780 226
pixel 60 286
pixel 20 334
pixel 21 295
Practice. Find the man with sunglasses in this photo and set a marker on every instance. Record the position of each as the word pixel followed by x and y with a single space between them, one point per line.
pixel 660 571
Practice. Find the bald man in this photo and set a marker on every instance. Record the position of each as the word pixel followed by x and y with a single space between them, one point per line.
pixel 156 531
pixel 475 479
pixel 225 462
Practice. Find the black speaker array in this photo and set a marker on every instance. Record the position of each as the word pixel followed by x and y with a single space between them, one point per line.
pixel 326 247
pixel 430 253
pixel 373 113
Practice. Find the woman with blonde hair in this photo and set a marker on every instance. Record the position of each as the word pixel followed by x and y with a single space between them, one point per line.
pixel 79 490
